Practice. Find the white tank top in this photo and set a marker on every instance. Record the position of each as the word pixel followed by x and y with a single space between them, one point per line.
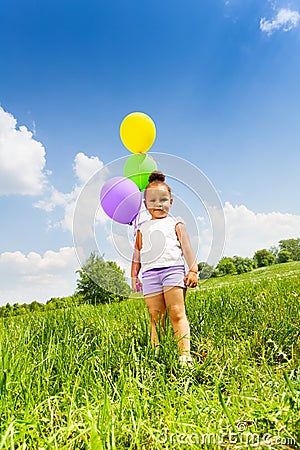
pixel 160 245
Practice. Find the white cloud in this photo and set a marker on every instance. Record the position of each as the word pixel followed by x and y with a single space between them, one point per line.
pixel 285 20
pixel 84 168
pixel 22 159
pixel 25 278
pixel 247 231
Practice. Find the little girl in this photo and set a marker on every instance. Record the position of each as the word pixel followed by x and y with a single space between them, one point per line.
pixel 162 244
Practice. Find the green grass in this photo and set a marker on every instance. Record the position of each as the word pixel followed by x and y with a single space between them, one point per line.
pixel 86 378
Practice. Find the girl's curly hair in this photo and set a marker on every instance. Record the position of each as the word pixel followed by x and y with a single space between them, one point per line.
pixel 157 178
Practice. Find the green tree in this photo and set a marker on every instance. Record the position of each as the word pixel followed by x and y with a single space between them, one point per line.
pixel 8 310
pixel 264 258
pixel 283 256
pixel 205 270
pixel 292 246
pixel 36 306
pixel 226 266
pixel 101 281
pixel 243 265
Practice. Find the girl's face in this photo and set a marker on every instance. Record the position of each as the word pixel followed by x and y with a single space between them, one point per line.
pixel 158 201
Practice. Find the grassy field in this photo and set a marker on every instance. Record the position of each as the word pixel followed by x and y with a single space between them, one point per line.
pixel 86 378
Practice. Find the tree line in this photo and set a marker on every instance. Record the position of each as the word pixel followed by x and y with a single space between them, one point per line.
pixel 288 250
pixel 102 281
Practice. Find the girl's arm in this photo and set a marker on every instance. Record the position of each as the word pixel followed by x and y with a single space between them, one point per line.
pixel 191 279
pixel 136 264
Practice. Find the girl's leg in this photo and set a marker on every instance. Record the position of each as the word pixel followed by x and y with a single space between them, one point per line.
pixel 157 309
pixel 174 300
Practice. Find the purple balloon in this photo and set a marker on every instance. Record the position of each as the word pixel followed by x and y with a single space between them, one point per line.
pixel 121 199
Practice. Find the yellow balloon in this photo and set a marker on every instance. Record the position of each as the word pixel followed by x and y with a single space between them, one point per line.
pixel 137 132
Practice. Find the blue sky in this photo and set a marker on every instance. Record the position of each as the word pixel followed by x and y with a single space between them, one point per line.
pixel 220 80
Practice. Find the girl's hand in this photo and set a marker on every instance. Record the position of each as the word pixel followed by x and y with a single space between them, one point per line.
pixel 136 284
pixel 191 279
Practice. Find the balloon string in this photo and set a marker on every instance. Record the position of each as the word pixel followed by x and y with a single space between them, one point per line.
pixel 135 225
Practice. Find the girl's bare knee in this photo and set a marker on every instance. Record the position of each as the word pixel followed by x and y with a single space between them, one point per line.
pixel 177 315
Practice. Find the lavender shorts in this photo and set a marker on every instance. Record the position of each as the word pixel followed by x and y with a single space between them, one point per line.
pixel 155 279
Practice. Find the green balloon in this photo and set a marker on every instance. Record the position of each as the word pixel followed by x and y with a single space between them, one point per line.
pixel 138 167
